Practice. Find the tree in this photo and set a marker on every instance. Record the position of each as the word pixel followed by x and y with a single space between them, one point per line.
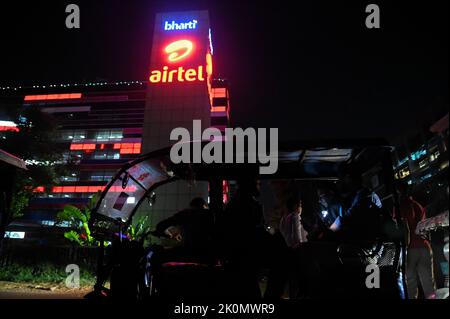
pixel 35 143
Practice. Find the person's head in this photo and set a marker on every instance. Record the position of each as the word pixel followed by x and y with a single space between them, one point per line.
pixel 294 205
pixel 323 197
pixel 324 194
pixel 249 186
pixel 350 179
pixel 198 203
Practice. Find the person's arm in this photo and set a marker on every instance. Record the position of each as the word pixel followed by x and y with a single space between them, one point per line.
pixel 315 228
pixel 336 224
pixel 162 226
pixel 376 200
pixel 165 224
pixel 355 204
pixel 422 214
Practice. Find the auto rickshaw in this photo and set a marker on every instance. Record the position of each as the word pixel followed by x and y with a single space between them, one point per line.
pixel 132 268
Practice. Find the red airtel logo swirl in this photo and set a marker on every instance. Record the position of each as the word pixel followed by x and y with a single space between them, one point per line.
pixel 178 50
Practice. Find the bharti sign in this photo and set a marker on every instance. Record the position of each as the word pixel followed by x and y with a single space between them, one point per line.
pixel 179 51
pixel 172 25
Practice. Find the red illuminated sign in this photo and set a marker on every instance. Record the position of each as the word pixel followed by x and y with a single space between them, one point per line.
pixel 178 50
pixel 75 147
pixel 8 126
pixel 41 97
pixel 178 75
pixel 128 148
pixel 125 148
pixel 85 189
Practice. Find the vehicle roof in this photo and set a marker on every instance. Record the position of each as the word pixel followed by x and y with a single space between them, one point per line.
pixel 296 160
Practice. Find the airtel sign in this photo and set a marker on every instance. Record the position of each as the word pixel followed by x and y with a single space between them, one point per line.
pixel 180 74
pixel 178 51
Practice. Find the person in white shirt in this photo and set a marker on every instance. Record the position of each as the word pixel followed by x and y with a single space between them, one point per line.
pixel 291 225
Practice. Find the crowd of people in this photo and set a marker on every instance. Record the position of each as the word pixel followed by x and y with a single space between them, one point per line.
pixel 298 251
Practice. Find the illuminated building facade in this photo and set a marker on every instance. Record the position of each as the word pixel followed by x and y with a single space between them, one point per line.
pixel 104 125
pixel 100 128
pixel 180 90
pixel 179 77
pixel 422 161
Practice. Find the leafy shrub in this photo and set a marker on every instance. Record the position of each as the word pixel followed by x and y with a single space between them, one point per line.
pixel 43 273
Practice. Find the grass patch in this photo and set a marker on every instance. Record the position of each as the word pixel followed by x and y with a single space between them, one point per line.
pixel 42 273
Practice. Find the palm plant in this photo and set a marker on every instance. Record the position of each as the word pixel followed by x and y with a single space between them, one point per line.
pixel 78 220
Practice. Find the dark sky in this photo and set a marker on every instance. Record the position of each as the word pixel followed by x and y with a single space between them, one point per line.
pixel 311 69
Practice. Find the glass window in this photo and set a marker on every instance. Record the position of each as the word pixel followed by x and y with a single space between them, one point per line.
pixel 76 155
pixel 100 155
pixel 79 135
pixel 113 155
pixel 66 156
pixel 423 163
pixel 108 177
pixel 69 178
pixel 65 135
pixel 101 176
pixel 106 154
pixel 63 224
pixel 72 135
pixel 102 135
pixel 116 134
pixel 48 222
pixel 105 135
pixel 404 172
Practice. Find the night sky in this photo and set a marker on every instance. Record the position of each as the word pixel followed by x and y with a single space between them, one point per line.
pixel 312 69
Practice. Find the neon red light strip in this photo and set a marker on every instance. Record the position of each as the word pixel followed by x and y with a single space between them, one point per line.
pixel 8 128
pixel 218 109
pixel 128 148
pixel 85 189
pixel 64 96
pixel 125 148
pixel 219 92
pixel 75 147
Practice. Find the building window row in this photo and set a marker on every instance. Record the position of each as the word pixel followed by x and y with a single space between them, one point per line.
pixel 101 176
pixel 123 148
pixel 95 176
pixel 99 135
pixel 76 156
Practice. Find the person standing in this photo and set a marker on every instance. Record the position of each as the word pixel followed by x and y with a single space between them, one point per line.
pixel 419 260
pixel 291 225
pixel 242 232
pixel 296 228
